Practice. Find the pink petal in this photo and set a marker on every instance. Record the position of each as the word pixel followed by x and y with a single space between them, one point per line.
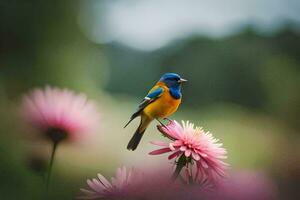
pixel 171 147
pixel 159 143
pixel 204 155
pixel 195 156
pixel 172 129
pixel 160 151
pixel 173 155
pixel 204 164
pixel 183 148
pixel 187 152
pixel 99 185
pixel 177 143
pixel 93 185
pixel 104 181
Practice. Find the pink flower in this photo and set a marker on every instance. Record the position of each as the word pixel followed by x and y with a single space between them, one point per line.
pixel 197 146
pixel 246 185
pixel 118 188
pixel 59 113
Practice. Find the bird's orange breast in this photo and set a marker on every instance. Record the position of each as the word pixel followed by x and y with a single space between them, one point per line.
pixel 163 107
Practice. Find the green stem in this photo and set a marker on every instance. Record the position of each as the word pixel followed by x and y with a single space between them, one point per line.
pixel 54 147
pixel 179 165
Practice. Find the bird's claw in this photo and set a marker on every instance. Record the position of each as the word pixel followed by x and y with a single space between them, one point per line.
pixel 162 124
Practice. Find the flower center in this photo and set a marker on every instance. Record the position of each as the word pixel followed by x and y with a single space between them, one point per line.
pixel 56 134
pixel 188 145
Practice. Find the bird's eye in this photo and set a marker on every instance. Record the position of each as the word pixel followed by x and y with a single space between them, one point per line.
pixel 173 78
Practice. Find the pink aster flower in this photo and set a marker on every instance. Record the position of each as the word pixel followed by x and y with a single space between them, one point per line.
pixel 193 145
pixel 59 113
pixel 118 188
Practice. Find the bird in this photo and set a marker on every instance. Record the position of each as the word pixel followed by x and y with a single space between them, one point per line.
pixel 161 101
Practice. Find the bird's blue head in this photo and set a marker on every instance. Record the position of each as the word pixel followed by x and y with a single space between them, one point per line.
pixel 172 80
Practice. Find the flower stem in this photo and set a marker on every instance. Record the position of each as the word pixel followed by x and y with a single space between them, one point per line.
pixel 54 147
pixel 179 165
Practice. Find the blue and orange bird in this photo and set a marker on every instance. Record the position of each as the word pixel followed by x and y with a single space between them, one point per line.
pixel 161 101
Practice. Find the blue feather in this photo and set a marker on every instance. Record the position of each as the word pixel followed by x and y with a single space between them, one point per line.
pixel 175 92
pixel 155 93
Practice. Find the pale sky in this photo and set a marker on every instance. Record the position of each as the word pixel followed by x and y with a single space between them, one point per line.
pixel 151 24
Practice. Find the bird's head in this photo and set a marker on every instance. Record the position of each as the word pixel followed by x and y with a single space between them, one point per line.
pixel 172 80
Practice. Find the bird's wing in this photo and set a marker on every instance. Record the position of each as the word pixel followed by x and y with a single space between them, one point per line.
pixel 153 95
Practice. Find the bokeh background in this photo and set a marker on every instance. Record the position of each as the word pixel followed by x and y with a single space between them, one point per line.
pixel 242 60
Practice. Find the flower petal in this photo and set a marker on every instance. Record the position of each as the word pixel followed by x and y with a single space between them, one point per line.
pixel 159 143
pixel 160 151
pixel 171 147
pixel 173 155
pixel 104 181
pixel 183 148
pixel 195 156
pixel 187 152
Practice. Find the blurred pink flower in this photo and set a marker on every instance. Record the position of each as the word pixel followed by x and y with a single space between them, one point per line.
pixel 245 185
pixel 118 188
pixel 143 185
pixel 59 113
pixel 196 145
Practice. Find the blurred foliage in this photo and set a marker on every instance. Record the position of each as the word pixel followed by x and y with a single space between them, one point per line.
pixel 249 69
pixel 41 44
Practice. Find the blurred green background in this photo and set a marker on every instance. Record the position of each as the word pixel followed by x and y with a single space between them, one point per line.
pixel 244 85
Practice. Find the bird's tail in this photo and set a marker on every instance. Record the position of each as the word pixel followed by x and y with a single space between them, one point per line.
pixel 136 138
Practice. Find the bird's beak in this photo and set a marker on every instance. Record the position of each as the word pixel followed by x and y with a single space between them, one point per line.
pixel 182 80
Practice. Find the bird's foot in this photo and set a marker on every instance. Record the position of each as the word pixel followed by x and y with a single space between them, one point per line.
pixel 162 124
